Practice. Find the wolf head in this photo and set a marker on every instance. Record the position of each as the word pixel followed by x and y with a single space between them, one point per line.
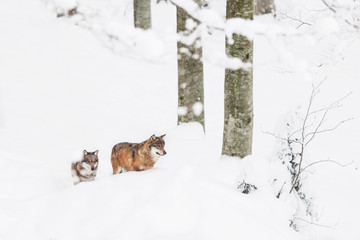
pixel 156 145
pixel 90 160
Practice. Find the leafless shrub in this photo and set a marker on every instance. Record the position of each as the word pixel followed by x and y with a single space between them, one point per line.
pixel 313 124
pixel 300 134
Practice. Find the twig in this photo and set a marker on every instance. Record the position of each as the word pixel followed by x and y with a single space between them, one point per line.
pixel 317 224
pixel 282 138
pixel 341 99
pixel 295 19
pixel 327 160
pixel 331 8
pixel 314 91
pixel 326 130
pixel 299 130
pixel 335 104
pixel 316 129
pixel 324 109
pixel 328 6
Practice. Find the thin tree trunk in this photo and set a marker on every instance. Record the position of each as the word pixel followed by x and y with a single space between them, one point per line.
pixel 142 14
pixel 190 73
pixel 264 7
pixel 238 114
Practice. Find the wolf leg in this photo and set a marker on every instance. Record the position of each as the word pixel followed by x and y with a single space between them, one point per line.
pixel 118 170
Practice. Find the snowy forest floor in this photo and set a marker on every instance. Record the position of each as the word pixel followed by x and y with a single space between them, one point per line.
pixel 62 90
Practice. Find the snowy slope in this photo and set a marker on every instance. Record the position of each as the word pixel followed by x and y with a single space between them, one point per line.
pixel 162 203
pixel 63 90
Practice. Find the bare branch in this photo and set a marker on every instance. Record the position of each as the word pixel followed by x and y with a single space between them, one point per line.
pixel 316 130
pixel 332 9
pixel 324 109
pixel 307 171
pixel 326 130
pixel 337 102
pixel 320 83
pixel 326 160
pixel 328 6
pixel 282 138
pixel 313 94
pixel 299 130
pixel 317 224
pixel 295 19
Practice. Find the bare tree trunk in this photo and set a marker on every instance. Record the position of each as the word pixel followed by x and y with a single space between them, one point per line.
pixel 142 14
pixel 190 73
pixel 238 115
pixel 264 7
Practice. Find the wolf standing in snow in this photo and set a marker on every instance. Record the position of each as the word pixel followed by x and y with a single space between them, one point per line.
pixel 85 170
pixel 137 156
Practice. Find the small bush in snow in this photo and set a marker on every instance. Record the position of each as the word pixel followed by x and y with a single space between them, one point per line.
pixel 301 129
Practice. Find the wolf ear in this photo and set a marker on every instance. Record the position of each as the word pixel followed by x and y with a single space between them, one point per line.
pixel 96 152
pixel 153 137
pixel 162 136
pixel 85 152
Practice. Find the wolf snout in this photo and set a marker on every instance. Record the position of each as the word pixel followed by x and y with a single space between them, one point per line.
pixel 161 153
pixel 92 169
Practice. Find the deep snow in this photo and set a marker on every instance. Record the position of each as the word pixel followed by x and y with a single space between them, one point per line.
pixel 62 90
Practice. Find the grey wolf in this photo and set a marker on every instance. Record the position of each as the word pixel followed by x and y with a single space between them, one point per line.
pixel 137 156
pixel 85 169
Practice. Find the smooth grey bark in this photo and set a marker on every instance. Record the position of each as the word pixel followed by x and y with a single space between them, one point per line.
pixel 238 110
pixel 142 14
pixel 264 7
pixel 190 73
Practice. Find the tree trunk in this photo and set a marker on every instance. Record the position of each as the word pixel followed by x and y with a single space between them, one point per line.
pixel 142 14
pixel 264 7
pixel 238 114
pixel 190 73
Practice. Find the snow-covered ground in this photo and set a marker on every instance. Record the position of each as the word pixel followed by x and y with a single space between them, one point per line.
pixel 63 89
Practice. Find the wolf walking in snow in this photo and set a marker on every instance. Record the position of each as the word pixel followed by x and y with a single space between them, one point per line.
pixel 85 170
pixel 137 156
